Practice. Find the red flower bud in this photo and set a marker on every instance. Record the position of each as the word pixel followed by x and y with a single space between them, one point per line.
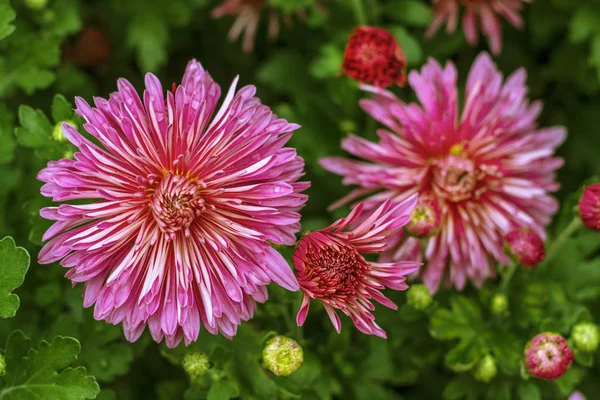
pixel 589 206
pixel 526 246
pixel 548 356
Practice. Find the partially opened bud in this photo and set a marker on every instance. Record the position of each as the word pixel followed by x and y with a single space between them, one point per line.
pixel 525 246
pixel 419 297
pixel 586 336
pixel 589 207
pixel 548 356
pixel 425 219
pixel 282 355
pixel 486 369
pixel 196 364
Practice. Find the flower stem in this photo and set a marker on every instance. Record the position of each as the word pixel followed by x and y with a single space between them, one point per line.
pixel 508 276
pixel 359 10
pixel 560 241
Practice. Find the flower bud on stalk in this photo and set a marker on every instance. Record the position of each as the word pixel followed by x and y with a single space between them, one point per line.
pixel 548 356
pixel 196 364
pixel 525 246
pixel 586 336
pixel 499 303
pixel 419 297
pixel 486 369
pixel 282 355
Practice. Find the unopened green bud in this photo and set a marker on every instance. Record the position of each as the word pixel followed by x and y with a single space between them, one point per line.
pixel 282 355
pixel 586 336
pixel 419 297
pixel 57 132
pixel 196 364
pixel 347 125
pixel 2 365
pixel 499 303
pixel 486 369
pixel 36 4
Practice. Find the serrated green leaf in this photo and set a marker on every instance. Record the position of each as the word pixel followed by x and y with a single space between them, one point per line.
pixel 14 263
pixel 465 355
pixel 463 320
pixel 529 391
pixel 7 15
pixel 148 35
pixel 409 12
pixel 223 390
pixel 62 109
pixel 45 373
pixel 35 132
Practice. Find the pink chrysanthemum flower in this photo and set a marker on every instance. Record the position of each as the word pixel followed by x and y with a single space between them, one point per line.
pixel 491 169
pixel 487 11
pixel 247 13
pixel 548 356
pixel 184 204
pixel 589 207
pixel 331 268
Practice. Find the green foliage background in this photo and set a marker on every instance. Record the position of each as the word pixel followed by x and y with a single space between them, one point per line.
pixel 60 352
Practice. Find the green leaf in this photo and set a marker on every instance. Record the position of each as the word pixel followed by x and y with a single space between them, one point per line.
pixel 45 373
pixel 465 355
pixel 14 263
pixel 410 45
pixel 460 387
pixel 529 391
pixel 7 15
pixel 148 35
pixel 62 109
pixel 35 132
pixel 464 320
pixel 223 390
pixel 7 142
pixel 328 63
pixel 499 391
pixel 409 12
pixel 585 22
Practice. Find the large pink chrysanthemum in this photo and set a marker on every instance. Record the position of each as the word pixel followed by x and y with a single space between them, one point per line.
pixel 331 267
pixel 491 169
pixel 487 11
pixel 184 204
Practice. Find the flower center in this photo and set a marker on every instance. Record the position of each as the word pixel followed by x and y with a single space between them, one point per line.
pixel 175 204
pixel 454 177
pixel 336 269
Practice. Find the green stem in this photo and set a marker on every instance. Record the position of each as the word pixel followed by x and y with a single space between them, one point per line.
pixel 359 10
pixel 560 241
pixel 509 274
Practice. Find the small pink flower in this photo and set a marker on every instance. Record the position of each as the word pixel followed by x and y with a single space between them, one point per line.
pixel 589 206
pixel 576 396
pixel 486 11
pixel 426 218
pixel 374 56
pixel 526 246
pixel 489 165
pixel 331 268
pixel 184 198
pixel 548 356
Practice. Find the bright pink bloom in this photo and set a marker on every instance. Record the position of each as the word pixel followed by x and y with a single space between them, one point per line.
pixel 374 56
pixel 589 206
pixel 491 169
pixel 548 356
pixel 185 201
pixel 526 246
pixel 331 268
pixel 487 11
pixel 247 13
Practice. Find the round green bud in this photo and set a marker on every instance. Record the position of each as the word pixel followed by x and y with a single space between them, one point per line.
pixel 586 336
pixel 486 369
pixel 57 132
pixel 2 365
pixel 499 303
pixel 196 364
pixel 347 125
pixel 36 4
pixel 282 355
pixel 419 297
